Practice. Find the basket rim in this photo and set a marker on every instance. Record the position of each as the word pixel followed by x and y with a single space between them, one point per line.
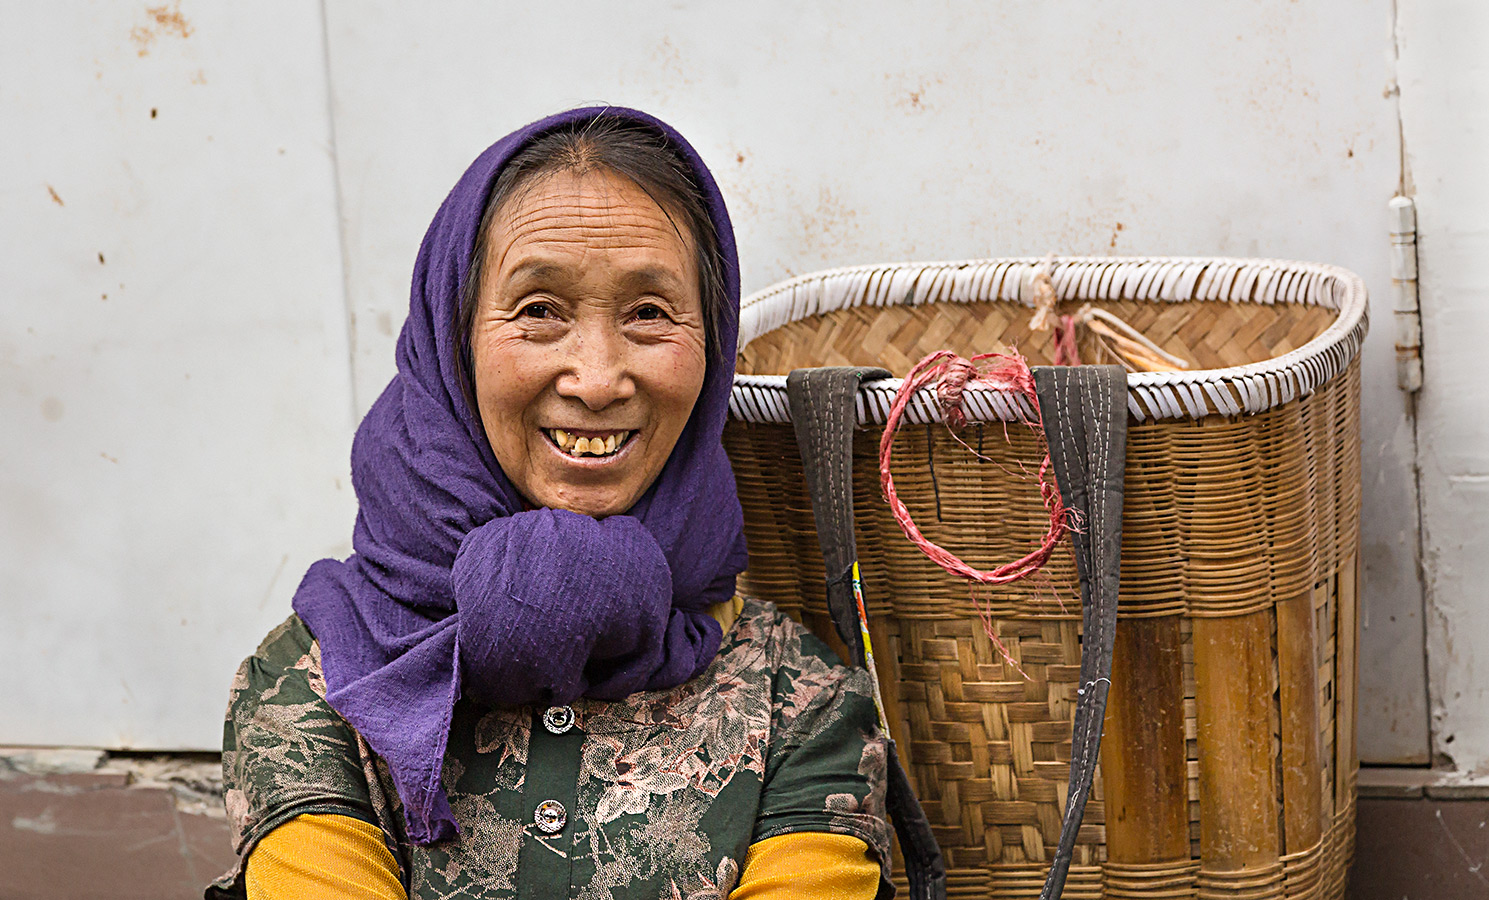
pixel 1230 391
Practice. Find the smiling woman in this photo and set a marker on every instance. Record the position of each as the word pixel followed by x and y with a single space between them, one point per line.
pixel 588 341
pixel 534 678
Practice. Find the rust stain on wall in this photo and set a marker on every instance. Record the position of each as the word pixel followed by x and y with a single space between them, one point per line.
pixel 163 21
pixel 912 94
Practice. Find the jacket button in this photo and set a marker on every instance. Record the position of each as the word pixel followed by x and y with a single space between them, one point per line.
pixel 558 719
pixel 550 817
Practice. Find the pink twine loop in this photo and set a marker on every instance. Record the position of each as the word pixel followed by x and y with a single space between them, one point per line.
pixel 955 373
pixel 952 374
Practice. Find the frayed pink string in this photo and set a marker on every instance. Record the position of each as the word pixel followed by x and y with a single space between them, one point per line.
pixel 951 374
pixel 1067 352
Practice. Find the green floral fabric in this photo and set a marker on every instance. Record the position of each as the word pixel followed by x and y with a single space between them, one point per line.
pixel 662 792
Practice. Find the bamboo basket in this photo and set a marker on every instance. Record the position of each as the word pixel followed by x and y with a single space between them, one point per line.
pixel 1229 763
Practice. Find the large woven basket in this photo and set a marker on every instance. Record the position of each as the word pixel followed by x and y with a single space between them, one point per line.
pixel 1229 762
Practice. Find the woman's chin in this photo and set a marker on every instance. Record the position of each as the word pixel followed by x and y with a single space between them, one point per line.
pixel 588 500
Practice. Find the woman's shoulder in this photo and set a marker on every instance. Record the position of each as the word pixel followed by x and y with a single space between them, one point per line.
pixel 287 657
pixel 285 750
pixel 825 767
pixel 763 626
pixel 804 670
pixel 286 642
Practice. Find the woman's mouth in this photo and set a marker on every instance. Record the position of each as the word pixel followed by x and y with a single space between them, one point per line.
pixel 595 444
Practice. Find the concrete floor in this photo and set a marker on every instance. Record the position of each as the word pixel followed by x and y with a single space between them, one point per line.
pixel 78 824
pixel 1420 849
pixel 83 826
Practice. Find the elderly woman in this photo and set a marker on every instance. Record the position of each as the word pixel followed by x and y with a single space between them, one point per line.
pixel 534 677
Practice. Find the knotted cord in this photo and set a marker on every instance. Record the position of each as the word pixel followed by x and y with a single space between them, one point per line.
pixel 951 374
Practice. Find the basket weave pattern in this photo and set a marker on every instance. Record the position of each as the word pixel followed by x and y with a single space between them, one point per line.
pixel 1229 763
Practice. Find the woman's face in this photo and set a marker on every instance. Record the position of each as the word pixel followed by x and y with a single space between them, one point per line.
pixel 588 341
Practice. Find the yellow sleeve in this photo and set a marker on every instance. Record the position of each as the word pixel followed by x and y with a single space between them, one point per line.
pixel 323 856
pixel 340 857
pixel 808 866
pixel 727 611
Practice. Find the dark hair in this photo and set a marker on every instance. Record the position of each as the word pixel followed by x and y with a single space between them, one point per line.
pixel 631 150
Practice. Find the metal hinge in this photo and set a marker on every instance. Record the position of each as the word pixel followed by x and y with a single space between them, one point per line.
pixel 1408 308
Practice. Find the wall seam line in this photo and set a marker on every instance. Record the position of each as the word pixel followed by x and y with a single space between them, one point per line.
pixel 1419 551
pixel 348 311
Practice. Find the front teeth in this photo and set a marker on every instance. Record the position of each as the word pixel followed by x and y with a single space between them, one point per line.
pixel 588 446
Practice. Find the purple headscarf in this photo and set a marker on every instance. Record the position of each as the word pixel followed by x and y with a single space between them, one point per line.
pixel 456 590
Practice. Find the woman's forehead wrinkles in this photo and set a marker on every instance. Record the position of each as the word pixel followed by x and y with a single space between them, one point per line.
pixel 557 212
pixel 562 225
pixel 542 235
pixel 647 275
pixel 591 234
pixel 598 209
pixel 563 245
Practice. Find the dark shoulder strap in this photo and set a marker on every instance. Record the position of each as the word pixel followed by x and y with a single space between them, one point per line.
pixel 823 409
pixel 1084 409
pixel 823 412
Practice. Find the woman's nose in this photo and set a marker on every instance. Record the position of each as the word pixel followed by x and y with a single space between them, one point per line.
pixel 595 372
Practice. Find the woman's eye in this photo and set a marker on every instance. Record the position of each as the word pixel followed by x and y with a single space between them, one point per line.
pixel 650 312
pixel 537 311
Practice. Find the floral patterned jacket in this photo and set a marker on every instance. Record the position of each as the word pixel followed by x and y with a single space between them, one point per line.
pixel 657 795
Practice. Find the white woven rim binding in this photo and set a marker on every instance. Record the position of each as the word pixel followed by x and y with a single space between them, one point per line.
pixel 1150 395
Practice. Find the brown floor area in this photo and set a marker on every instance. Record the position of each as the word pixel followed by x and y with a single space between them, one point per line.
pixel 95 835
pixel 118 835
pixel 1421 849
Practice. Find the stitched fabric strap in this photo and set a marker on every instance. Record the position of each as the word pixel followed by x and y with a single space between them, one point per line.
pixel 1084 409
pixel 823 410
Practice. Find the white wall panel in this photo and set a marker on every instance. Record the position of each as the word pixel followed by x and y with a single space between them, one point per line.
pixel 176 398
pixel 175 403
pixel 1444 74
pixel 868 131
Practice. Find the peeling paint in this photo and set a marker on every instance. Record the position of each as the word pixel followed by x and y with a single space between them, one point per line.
pixel 194 780
pixel 42 824
pixel 48 761
pixel 1443 79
